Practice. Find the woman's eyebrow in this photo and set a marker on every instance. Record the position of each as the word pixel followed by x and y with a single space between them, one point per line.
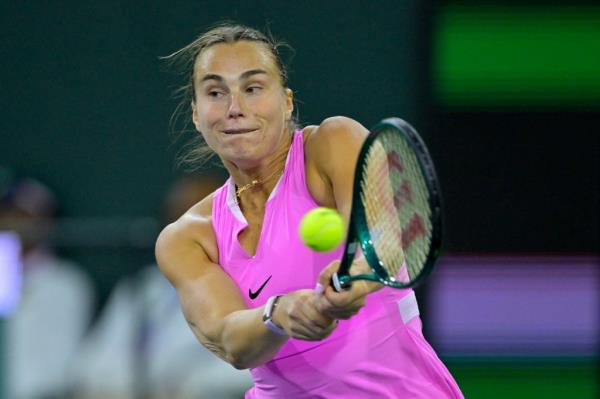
pixel 244 75
pixel 252 72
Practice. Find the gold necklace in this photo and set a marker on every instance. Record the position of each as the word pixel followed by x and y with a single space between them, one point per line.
pixel 254 182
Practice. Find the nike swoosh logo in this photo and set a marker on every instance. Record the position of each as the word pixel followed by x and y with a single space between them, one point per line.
pixel 253 295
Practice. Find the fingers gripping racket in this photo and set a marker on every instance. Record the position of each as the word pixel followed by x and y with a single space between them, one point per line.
pixel 396 215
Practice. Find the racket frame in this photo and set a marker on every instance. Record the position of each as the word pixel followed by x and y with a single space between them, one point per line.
pixel 358 231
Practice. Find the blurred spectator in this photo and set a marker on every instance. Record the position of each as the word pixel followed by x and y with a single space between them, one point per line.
pixel 142 347
pixel 45 331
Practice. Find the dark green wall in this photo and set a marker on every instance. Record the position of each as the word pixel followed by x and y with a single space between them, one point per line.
pixel 86 101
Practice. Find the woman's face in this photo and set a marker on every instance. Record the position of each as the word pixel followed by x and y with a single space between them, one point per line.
pixel 241 108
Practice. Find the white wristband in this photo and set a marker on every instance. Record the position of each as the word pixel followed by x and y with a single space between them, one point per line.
pixel 268 315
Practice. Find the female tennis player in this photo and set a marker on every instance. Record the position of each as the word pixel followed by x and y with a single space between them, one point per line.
pixel 245 281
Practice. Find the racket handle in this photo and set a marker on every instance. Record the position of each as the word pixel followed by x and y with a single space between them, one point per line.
pixel 338 285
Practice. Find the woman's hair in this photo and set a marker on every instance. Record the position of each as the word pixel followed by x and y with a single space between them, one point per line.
pixel 196 152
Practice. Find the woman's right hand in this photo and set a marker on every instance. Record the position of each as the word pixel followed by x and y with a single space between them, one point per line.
pixel 298 314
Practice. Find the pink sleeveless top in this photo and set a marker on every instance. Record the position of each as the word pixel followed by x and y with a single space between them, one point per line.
pixel 380 352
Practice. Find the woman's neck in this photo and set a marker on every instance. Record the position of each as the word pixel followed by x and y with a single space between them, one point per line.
pixel 254 185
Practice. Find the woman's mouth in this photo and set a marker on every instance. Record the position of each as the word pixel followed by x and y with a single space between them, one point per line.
pixel 238 130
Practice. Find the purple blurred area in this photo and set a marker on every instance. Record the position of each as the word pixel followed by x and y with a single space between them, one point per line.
pixel 10 272
pixel 515 305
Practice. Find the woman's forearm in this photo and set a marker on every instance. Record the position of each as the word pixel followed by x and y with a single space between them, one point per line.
pixel 245 340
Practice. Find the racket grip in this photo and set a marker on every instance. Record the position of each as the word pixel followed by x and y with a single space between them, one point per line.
pixel 338 285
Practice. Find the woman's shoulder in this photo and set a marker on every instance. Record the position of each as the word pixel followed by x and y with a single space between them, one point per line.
pixel 332 128
pixel 194 227
pixel 330 148
pixel 197 216
pixel 331 137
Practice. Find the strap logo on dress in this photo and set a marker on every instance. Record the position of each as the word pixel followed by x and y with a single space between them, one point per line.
pixel 408 307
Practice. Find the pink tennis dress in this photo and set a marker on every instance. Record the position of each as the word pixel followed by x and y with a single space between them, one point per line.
pixel 379 353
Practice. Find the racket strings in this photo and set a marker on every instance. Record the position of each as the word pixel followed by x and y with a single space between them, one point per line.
pixel 415 213
pixel 381 214
pixel 395 198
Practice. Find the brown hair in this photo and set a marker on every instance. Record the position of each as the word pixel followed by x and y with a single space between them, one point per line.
pixel 196 152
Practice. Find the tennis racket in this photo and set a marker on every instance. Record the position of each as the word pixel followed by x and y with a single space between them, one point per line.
pixel 396 215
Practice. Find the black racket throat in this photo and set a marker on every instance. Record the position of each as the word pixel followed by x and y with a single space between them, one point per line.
pixel 338 285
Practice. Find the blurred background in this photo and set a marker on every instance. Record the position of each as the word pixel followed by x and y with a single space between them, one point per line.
pixel 505 93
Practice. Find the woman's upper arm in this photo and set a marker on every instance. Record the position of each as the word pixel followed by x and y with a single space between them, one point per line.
pixel 332 150
pixel 206 293
pixel 211 302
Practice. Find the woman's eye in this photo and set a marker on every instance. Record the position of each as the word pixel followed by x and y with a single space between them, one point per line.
pixel 253 89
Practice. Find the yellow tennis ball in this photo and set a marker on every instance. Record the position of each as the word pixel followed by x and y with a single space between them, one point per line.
pixel 322 229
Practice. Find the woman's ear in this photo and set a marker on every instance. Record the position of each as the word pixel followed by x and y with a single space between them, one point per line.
pixel 195 116
pixel 289 103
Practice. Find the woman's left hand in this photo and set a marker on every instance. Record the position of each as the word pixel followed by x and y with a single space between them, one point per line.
pixel 345 304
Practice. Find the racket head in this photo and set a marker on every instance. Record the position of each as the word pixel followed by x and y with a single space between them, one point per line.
pixel 395 186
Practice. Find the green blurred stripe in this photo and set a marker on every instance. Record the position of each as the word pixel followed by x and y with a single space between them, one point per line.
pixel 527 379
pixel 518 54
